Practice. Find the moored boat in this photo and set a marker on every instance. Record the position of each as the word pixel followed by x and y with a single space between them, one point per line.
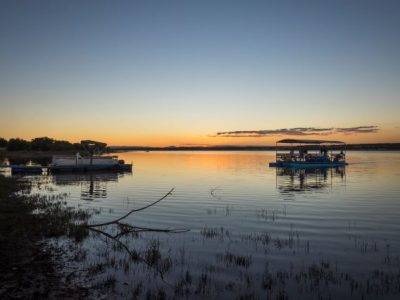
pixel 91 163
pixel 299 153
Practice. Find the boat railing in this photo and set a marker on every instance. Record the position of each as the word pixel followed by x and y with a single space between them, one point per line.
pixel 297 157
pixel 83 156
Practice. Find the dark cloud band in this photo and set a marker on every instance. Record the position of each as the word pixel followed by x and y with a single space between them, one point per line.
pixel 298 131
pixel 359 129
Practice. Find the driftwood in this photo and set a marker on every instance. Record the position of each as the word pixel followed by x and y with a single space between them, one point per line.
pixel 127 229
pixel 132 211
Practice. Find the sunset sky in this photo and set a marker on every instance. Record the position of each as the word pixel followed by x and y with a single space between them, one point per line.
pixel 162 73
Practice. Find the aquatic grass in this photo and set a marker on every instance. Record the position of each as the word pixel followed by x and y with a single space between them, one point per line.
pixel 137 291
pixel 262 238
pixel 203 284
pixel 214 232
pixel 210 232
pixel 228 209
pixel 156 294
pixel 247 296
pixel 152 254
pixel 96 268
pixel 183 286
pixel 230 258
pixel 271 215
pixel 109 282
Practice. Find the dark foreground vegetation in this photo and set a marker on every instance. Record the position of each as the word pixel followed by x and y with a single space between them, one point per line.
pixel 29 267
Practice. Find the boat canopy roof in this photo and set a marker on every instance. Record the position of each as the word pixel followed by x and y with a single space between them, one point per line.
pixel 314 142
pixel 93 143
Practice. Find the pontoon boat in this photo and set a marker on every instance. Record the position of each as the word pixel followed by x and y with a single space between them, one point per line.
pixel 297 153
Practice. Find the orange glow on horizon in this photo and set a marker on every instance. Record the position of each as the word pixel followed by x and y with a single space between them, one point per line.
pixel 165 140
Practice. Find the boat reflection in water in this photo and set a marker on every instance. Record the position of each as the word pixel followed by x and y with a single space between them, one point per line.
pixel 93 185
pixel 295 180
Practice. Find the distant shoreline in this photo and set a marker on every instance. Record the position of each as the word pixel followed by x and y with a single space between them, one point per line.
pixel 349 147
pixel 116 149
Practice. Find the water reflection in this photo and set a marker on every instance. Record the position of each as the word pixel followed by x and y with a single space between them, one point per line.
pixel 293 180
pixel 92 185
pixel 244 242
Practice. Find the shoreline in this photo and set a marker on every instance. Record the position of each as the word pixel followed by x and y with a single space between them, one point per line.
pixel 349 147
pixel 27 154
pixel 30 266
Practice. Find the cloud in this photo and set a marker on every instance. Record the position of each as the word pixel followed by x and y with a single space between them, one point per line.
pixel 297 131
pixel 358 129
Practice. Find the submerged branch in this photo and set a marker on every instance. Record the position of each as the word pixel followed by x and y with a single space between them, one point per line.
pixel 127 228
pixel 132 211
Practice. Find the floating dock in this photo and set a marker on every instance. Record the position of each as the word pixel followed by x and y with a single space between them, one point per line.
pixel 24 169
pixel 89 168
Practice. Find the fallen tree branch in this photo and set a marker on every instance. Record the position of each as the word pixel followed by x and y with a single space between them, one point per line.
pixel 132 211
pixel 127 228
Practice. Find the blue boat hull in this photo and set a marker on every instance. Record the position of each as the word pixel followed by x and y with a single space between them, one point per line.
pixel 307 164
pixel 88 168
pixel 26 170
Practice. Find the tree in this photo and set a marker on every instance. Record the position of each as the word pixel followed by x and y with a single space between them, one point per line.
pixel 18 144
pixel 62 146
pixel 42 143
pixel 3 143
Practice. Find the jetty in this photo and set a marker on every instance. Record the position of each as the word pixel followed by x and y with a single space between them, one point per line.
pixel 26 169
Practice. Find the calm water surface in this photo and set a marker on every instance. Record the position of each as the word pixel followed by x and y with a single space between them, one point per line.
pixel 255 231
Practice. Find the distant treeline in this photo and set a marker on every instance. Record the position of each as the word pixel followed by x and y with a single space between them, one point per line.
pixel 38 144
pixel 364 147
pixel 49 144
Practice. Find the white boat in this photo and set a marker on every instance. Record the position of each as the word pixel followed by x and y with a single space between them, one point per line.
pixel 81 163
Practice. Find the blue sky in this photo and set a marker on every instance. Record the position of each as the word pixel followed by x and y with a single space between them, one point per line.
pixel 173 72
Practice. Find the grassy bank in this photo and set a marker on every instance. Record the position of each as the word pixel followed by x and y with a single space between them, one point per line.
pixel 28 265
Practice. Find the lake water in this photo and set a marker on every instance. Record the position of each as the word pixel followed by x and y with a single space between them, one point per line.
pixel 254 232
